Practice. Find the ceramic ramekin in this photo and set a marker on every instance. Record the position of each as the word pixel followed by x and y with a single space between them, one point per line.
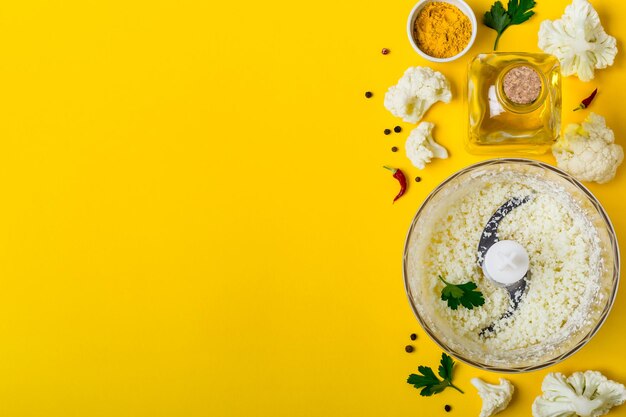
pixel 463 6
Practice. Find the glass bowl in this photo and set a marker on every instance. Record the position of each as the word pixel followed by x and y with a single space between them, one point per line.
pixel 537 355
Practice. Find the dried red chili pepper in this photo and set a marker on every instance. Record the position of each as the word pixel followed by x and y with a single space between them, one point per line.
pixel 399 175
pixel 586 102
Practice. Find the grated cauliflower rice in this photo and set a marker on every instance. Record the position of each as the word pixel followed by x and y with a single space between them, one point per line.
pixel 565 263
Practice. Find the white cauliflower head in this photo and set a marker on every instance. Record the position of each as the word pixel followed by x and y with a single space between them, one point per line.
pixel 421 147
pixel 587 151
pixel 578 40
pixel 495 397
pixel 417 90
pixel 585 394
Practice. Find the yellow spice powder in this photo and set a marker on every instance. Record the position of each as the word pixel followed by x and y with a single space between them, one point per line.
pixel 441 30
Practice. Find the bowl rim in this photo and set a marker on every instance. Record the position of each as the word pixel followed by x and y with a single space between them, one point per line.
pixel 606 310
pixel 465 8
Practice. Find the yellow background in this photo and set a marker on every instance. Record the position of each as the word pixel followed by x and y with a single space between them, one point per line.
pixel 195 221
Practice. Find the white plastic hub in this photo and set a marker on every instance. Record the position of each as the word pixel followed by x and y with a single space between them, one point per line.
pixel 506 262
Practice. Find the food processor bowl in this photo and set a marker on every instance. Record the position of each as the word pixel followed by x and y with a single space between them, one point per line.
pixel 538 355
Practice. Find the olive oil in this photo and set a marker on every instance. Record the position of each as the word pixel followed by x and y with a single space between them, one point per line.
pixel 527 122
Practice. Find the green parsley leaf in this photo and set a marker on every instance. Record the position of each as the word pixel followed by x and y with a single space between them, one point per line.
pixel 445 367
pixel 499 19
pixel 429 382
pixel 464 294
pixel 520 10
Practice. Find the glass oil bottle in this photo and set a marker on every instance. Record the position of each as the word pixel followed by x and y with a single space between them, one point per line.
pixel 514 103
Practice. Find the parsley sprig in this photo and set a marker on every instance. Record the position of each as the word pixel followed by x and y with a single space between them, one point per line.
pixel 500 19
pixel 428 381
pixel 464 294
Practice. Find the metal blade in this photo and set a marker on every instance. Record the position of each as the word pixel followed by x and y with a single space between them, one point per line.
pixel 488 238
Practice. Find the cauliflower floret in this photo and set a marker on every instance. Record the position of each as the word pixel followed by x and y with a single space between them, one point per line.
pixel 495 397
pixel 417 90
pixel 585 394
pixel 421 147
pixel 578 40
pixel 587 151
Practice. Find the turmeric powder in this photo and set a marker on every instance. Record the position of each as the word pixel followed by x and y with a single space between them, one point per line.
pixel 441 30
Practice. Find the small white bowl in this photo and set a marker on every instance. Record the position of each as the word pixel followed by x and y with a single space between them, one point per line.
pixel 464 7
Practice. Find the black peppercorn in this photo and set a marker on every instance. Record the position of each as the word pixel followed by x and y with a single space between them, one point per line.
pixel 397 129
pixel 447 408
pixel 413 336
pixel 387 131
pixel 409 348
pixel 418 179
pixel 394 149
pixel 368 94
pixel 385 51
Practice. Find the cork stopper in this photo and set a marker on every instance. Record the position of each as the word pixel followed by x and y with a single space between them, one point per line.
pixel 522 84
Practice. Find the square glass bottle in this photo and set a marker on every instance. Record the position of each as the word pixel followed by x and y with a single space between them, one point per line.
pixel 514 103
